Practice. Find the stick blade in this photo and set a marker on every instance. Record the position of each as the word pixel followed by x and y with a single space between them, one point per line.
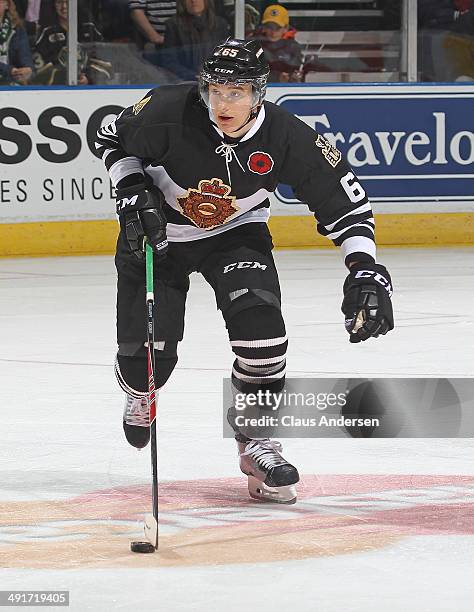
pixel 151 529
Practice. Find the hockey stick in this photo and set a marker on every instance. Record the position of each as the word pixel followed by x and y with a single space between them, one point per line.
pixel 151 520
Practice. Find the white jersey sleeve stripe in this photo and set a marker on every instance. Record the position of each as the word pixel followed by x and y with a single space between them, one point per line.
pixel 106 140
pixel 356 244
pixel 335 235
pixel 364 208
pixel 124 167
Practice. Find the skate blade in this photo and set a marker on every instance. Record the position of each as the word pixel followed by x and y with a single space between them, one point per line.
pixel 151 529
pixel 276 495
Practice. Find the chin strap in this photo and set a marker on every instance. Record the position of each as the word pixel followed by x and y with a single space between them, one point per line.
pixel 253 113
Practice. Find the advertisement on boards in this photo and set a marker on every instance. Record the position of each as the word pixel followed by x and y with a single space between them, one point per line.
pixel 411 146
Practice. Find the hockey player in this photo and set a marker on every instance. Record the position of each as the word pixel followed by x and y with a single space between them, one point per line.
pixel 193 166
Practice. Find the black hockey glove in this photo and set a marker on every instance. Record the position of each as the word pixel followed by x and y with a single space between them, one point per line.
pixel 367 306
pixel 144 218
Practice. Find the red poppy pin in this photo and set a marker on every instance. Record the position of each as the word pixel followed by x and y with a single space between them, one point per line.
pixel 260 162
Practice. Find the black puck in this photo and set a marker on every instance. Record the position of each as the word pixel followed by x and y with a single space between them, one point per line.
pixel 142 547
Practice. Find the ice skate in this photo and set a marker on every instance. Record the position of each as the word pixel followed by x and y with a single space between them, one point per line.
pixel 270 476
pixel 136 421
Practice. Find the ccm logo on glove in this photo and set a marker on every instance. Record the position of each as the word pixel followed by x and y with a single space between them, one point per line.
pixel 367 304
pixel 143 219
pixel 377 278
pixel 126 203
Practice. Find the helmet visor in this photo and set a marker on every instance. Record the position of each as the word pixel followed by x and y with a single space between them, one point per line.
pixel 213 89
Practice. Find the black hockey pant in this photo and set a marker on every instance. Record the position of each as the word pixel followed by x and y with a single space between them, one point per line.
pixel 239 266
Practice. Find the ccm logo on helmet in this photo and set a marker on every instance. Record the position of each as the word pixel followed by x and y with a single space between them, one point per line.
pixel 377 278
pixel 244 264
pixel 224 70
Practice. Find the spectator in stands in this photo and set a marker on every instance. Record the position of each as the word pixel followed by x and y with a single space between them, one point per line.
pixel 282 51
pixel 149 18
pixel 50 52
pixel 39 14
pixel 35 13
pixel 16 62
pixel 190 37
pixel 29 11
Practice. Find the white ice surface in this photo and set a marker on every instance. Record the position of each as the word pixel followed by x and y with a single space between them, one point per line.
pixel 61 436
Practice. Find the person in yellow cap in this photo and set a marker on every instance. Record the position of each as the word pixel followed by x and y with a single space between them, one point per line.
pixel 282 51
pixel 277 19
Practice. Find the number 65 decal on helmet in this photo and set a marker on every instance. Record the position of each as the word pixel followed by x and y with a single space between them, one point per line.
pixel 229 52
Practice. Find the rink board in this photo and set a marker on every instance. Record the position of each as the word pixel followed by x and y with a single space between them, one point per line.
pixel 411 145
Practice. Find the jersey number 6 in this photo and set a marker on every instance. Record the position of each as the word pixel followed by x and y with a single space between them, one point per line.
pixel 353 188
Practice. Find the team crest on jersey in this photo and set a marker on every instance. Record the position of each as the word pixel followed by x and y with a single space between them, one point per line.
pixel 333 156
pixel 260 162
pixel 140 105
pixel 209 205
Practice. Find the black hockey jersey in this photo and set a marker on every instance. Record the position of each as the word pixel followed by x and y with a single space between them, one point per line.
pixel 213 183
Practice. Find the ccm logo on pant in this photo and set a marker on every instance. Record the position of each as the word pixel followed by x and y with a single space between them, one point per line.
pixel 244 264
pixel 377 278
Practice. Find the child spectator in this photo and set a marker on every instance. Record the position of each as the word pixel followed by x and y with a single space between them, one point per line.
pixel 16 62
pixel 190 37
pixel 282 51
